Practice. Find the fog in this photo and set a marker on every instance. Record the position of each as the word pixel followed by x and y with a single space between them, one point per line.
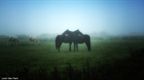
pixel 115 17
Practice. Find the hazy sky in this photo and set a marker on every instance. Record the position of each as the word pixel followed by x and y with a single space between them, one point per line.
pixel 55 16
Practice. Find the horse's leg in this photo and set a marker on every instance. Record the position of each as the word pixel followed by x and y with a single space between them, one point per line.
pixel 70 46
pixel 76 46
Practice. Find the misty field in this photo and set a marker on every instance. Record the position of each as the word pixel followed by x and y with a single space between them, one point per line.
pixel 112 58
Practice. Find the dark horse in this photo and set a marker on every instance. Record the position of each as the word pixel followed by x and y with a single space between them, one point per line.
pixel 75 37
pixel 79 38
pixel 64 38
pixel 13 41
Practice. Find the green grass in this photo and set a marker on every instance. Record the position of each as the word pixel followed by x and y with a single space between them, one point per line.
pixel 44 55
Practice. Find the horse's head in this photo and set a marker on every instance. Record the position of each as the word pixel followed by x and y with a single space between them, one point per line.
pixel 87 41
pixel 58 41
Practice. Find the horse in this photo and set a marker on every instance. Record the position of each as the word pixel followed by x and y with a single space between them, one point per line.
pixel 33 40
pixel 13 41
pixel 75 37
pixel 82 39
pixel 64 38
pixel 79 38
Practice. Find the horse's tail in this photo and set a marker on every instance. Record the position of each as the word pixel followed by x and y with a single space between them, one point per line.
pixel 88 42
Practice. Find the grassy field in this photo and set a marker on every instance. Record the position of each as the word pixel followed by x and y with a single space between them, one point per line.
pixel 109 59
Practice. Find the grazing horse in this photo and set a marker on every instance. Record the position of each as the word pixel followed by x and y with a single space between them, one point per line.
pixel 33 40
pixel 79 38
pixel 75 37
pixel 13 41
pixel 64 38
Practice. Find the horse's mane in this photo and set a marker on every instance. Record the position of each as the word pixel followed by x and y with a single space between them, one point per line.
pixel 67 33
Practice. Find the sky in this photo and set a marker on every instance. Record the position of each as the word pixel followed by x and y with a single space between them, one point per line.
pixel 55 16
